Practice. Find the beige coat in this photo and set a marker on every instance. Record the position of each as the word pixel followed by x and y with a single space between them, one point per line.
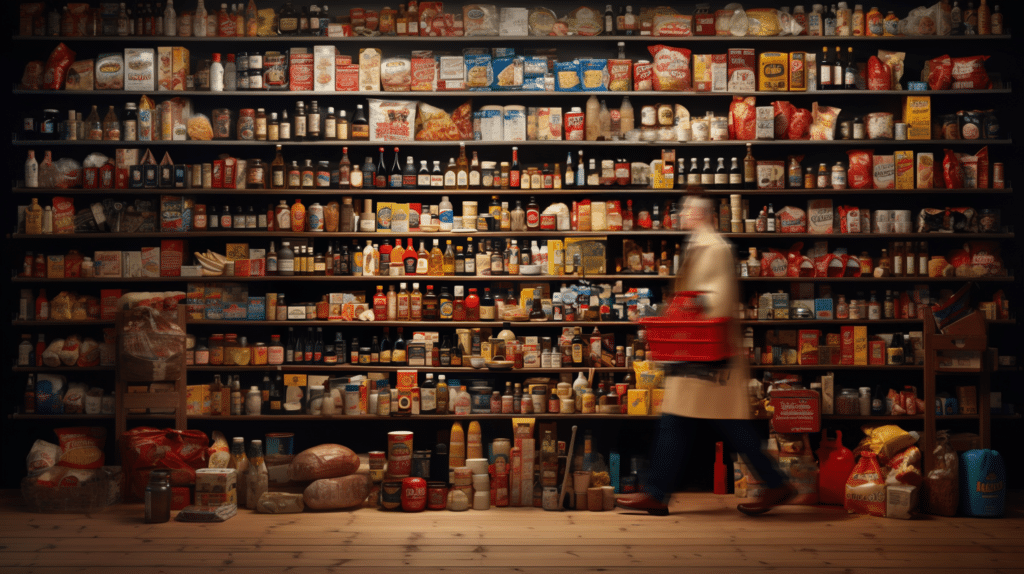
pixel 709 265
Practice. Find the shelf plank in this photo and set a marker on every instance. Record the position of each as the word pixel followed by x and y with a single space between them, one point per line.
pixel 533 39
pixel 837 367
pixel 348 367
pixel 344 418
pixel 528 234
pixel 510 278
pixel 361 192
pixel 517 93
pixel 893 418
pixel 530 143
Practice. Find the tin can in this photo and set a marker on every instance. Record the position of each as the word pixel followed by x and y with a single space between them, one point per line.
pixel 437 495
pixel 246 129
pixel 399 453
pixel 998 175
pixel 648 116
pixel 414 494
pixel 950 128
pixel 391 494
pixel 549 498
pixel 900 131
pixel 666 116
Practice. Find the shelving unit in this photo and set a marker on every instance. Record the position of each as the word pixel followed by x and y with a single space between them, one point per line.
pixel 854 102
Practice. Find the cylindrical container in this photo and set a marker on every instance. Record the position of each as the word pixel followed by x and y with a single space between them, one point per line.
pixel 469 211
pixel 378 460
pixel 568 406
pixel 549 498
pixel 315 217
pixel 988 220
pixel 608 497
pixel 719 129
pixel 581 481
pixel 399 453
pixel 221 123
pixel 463 476
pixel 279 443
pixel 158 497
pixel 847 403
pixel 700 130
pixel 482 482
pixel 482 500
pixel 595 499
pixel 316 399
pixel 492 123
pixel 900 131
pixel 477 465
pixel 575 124
pixel 391 494
pixel 902 221
pixel 883 221
pixel 580 500
pixel 501 447
pixel 414 494
pixel 879 125
pixel 749 225
pixel 514 125
pixel 437 495
pixel 865 401
pixel 352 403
pixel 481 397
pixel 458 500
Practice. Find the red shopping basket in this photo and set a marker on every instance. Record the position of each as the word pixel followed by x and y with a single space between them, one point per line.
pixel 682 336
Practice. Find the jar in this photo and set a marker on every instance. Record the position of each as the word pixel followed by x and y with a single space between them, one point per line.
pixel 420 464
pixel 848 402
pixel 255 174
pixel 259 354
pixel 315 217
pixel 332 214
pixel 865 401
pixel 216 349
pixel 988 222
pixel 391 494
pixel 437 495
pixel 246 128
pixel 221 123
pixel 240 353
pixel 202 353
pixel 481 400
pixel 158 497
pixel 316 400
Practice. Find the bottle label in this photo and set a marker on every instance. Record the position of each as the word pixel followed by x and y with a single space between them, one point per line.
pixel 428 399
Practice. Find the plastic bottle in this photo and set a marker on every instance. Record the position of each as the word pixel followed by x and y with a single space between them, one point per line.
pixel 217 74
pixel 579 387
pixel 626 120
pixel 592 121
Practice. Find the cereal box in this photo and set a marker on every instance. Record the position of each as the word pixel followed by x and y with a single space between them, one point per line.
pixel 773 72
pixel 884 172
pixel 819 216
pixel 808 341
pixel 925 170
pixel 300 70
pixel 179 68
pixel 369 69
pixel 323 68
pixel 797 72
pixel 719 73
pixel 163 68
pixel 140 72
pixel 171 256
pixel 846 347
pixel 904 169
pixel 917 114
pixel 424 74
pixel 860 345
pixel 346 77
pixel 702 72
pixel 740 69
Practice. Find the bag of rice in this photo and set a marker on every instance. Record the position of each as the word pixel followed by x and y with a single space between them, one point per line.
pixel 865 489
pixel 824 122
pixel 671 68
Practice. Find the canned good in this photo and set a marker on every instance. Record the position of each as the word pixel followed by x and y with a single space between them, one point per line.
pixel 648 116
pixel 399 453
pixel 665 115
pixel 998 175
pixel 950 127
pixel 437 495
pixel 900 131
pixel 391 494
pixel 846 130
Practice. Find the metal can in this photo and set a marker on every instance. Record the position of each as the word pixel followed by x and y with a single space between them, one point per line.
pixel 575 125
pixel 399 453
pixel 950 128
pixel 391 494
pixel 246 124
pixel 437 495
pixel 421 463
pixel 666 117
pixel 998 175
pixel 549 498
pixel 900 131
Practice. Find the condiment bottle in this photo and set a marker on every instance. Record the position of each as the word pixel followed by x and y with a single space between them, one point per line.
pixel 158 497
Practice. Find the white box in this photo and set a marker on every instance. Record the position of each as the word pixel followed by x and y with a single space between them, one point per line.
pixel 765 122
pixel 323 68
pixel 139 69
pixel 451 68
pixel 900 501
pixel 131 262
pixel 819 216
pixel 514 22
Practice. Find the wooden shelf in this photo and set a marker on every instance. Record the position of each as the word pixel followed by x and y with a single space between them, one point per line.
pixel 892 418
pixel 45 369
pixel 527 234
pixel 504 93
pixel 805 322
pixel 345 278
pixel 490 39
pixel 838 367
pixel 868 280
pixel 348 367
pixel 343 418
pixel 362 191
pixel 529 143
pixel 412 324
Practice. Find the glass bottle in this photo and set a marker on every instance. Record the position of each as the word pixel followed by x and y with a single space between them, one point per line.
pixel 257 479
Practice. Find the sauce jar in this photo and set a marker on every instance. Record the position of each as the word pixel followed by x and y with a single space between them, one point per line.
pixel 848 402
pixel 246 128
pixel 217 349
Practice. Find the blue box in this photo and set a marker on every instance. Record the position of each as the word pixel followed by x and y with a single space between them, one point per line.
pixel 823 309
pixel 256 309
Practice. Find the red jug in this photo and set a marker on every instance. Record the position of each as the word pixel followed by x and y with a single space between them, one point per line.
pixel 835 464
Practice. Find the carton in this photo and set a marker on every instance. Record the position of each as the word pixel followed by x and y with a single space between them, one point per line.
pixel 846 348
pixel 809 339
pixel 797 72
pixel 860 345
pixel 740 69
pixel 180 68
pixel 216 486
pixel 917 114
pixel 904 160
pixel 925 170
pixel 639 402
pixel 323 69
pixel 139 69
pixel 163 67
pixel 702 72
pixel 876 352
pixel 719 73
pixel 172 252
pixel 773 72
pixel 900 501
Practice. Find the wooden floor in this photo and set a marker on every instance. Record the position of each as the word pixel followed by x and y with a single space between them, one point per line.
pixel 703 534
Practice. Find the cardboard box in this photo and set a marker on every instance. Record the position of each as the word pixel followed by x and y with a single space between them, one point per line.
pixel 702 72
pixel 163 68
pixel 657 401
pixel 639 402
pixel 860 345
pixel 917 114
pixel 216 486
pixel 809 339
pixel 180 68
pixel 966 360
pixel 827 393
pixel 139 69
pixel 876 352
pixel 904 161
pixel 172 253
pixel 797 72
pixel 796 411
pixel 323 68
pixel 900 501
pixel 925 170
pixel 846 348
pixel 108 303
pixel 740 68
pixel 107 263
pixel 773 72
pixel 819 216
pixel 765 123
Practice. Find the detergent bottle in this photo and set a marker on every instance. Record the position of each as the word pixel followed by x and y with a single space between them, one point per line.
pixel 835 463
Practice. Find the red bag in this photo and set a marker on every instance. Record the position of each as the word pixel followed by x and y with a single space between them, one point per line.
pixel 940 73
pixel 879 74
pixel 784 112
pixel 969 73
pixel 800 124
pixel 836 463
pixel 865 487
pixel 145 449
pixel 861 174
pixel 742 119
pixel 952 170
pixel 57 66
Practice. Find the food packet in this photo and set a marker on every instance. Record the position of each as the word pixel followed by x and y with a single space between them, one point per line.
pixel 865 489
pixel 888 440
pixel 764 22
pixel 671 68
pixel 567 76
pixel 81 447
pixel 926 21
pixel 938 72
pixel 941 494
pixel 905 468
pixel 824 122
pixel 861 173
pixel 57 66
pixel 969 73
pixel 42 456
pixel 32 78
pixel 952 170
pixel 199 128
pixel 742 118
pixel 480 20
pixel 800 124
pixel 74 399
pixel 879 74
pixel 894 60
pixel 218 452
pixel 784 112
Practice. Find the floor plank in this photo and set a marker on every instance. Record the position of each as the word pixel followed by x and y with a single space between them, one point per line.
pixel 704 533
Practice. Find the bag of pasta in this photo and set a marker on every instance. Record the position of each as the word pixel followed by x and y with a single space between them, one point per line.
pixel 941 494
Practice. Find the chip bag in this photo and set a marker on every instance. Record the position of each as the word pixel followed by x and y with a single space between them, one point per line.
pixel 671 68
pixel 865 488
pixel 938 72
pixel 784 113
pixel 969 73
pixel 879 74
pixel 742 119
pixel 905 468
pixel 861 174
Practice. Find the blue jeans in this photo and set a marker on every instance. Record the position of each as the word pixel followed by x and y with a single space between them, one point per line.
pixel 672 447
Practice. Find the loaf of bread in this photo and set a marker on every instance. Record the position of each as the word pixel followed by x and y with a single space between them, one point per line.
pixel 323 461
pixel 341 492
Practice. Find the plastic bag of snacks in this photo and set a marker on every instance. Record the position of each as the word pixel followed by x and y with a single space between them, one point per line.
pixel 42 456
pixel 671 68
pixel 784 112
pixel 742 119
pixel 81 447
pixel 978 259
pixel 886 441
pixel 926 21
pixel 145 449
pixel 905 468
pixel 941 493
pixel 57 66
pixel 150 346
pixel 938 72
pixel 952 171
pixel 824 125
pixel 894 60
pixel 32 78
pixel 865 488
pixel 860 175
pixel 969 73
pixel 879 74
pixel 800 124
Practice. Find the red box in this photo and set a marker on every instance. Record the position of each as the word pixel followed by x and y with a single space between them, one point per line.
pixel 346 77
pixel 217 181
pixel 808 342
pixel 846 345
pixel 703 24
pixel 181 496
pixel 108 303
pixel 172 253
pixel 230 165
pixel 796 411
pixel 876 352
pixel 300 72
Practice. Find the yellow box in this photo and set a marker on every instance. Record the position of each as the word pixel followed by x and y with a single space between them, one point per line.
pixel 179 67
pixel 797 71
pixel 917 114
pixel 54 266
pixel 702 72
pixel 197 400
pixel 237 251
pixel 639 402
pixel 860 345
pixel 773 72
pixel 556 264
pixel 293 380
pixel 903 165
pixel 657 400
pixel 658 177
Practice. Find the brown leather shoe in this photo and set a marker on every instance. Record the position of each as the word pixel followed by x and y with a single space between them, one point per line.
pixel 769 499
pixel 641 501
